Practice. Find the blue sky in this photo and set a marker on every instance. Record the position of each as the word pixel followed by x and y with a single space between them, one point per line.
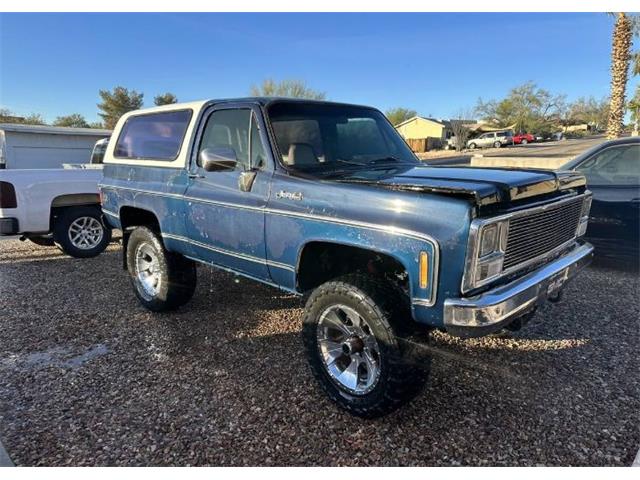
pixel 437 64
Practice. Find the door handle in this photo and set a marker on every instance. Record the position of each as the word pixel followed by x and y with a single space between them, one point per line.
pixel 195 175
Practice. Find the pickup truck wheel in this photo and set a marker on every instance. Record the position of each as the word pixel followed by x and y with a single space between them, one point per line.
pixel 162 280
pixel 357 348
pixel 81 232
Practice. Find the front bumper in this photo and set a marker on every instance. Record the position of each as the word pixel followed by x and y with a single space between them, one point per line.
pixel 495 309
pixel 8 226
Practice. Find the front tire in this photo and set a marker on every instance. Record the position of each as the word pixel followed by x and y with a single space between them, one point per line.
pixel 162 280
pixel 472 146
pixel 81 232
pixel 357 347
pixel 524 141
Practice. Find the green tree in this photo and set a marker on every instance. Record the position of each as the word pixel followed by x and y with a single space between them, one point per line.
pixel 7 116
pixel 286 88
pixel 34 119
pixel 527 107
pixel 99 125
pixel 117 103
pixel 589 110
pixel 398 115
pixel 165 99
pixel 73 120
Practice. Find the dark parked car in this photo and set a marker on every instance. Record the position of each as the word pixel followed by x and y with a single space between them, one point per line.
pixel 612 170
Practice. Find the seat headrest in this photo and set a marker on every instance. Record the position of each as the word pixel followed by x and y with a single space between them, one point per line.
pixel 301 154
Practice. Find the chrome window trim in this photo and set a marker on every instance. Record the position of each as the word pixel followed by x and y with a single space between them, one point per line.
pixel 473 244
pixel 429 302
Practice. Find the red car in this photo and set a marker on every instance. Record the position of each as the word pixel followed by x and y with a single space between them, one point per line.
pixel 523 138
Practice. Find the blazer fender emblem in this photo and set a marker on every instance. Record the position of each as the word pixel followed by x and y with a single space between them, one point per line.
pixel 289 195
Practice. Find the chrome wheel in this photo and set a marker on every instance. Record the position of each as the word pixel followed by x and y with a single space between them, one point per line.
pixel 348 349
pixel 148 272
pixel 86 233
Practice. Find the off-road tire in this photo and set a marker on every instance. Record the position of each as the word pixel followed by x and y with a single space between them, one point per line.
pixel 404 365
pixel 63 223
pixel 178 275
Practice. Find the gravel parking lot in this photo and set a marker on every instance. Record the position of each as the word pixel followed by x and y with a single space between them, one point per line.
pixel 87 377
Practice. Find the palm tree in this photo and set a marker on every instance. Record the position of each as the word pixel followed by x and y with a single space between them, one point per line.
pixel 620 58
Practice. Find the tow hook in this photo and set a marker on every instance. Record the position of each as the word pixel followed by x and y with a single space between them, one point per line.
pixel 555 298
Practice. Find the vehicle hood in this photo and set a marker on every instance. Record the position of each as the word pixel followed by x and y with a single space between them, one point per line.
pixel 485 186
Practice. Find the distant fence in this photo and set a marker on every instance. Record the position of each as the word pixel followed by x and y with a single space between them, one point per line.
pixel 420 145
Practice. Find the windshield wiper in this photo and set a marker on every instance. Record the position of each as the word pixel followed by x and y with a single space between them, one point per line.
pixel 385 160
pixel 348 162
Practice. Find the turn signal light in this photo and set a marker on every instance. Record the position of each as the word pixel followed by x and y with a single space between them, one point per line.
pixel 424 270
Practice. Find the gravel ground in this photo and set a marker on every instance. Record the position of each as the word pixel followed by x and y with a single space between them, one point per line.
pixel 87 377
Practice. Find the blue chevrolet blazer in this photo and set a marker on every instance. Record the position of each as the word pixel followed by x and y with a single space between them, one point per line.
pixel 327 200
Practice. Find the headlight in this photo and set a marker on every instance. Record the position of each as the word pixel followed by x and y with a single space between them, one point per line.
pixel 487 255
pixel 488 240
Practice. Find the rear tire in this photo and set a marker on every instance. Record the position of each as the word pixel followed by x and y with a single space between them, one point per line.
pixel 497 144
pixel 81 232
pixel 357 344
pixel 524 141
pixel 162 280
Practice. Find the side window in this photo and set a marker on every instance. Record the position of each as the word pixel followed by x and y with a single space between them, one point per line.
pixel 153 136
pixel 613 166
pixel 228 129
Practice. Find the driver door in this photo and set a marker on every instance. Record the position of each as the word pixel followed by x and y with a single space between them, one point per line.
pixel 225 213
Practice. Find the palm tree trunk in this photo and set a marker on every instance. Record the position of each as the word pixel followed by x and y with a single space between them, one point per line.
pixel 620 56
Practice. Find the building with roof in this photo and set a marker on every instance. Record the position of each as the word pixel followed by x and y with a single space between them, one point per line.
pixel 43 146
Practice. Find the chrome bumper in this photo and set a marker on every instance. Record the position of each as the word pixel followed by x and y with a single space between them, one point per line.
pixel 492 310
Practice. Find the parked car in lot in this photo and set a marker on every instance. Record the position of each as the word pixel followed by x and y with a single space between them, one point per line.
pixel 327 199
pixel 523 138
pixel 54 206
pixel 491 139
pixel 612 170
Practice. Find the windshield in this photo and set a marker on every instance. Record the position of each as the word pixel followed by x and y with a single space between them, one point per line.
pixel 323 138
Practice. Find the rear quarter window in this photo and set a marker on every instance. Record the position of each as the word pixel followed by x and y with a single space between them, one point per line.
pixel 153 136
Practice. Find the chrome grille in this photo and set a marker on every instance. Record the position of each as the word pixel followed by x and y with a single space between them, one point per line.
pixel 533 235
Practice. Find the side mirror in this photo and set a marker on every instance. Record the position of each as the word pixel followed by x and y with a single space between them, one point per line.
pixel 214 159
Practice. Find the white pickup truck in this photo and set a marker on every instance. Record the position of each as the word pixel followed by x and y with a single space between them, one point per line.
pixel 55 206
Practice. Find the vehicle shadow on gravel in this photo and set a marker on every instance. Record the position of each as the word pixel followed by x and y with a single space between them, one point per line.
pixel 89 377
